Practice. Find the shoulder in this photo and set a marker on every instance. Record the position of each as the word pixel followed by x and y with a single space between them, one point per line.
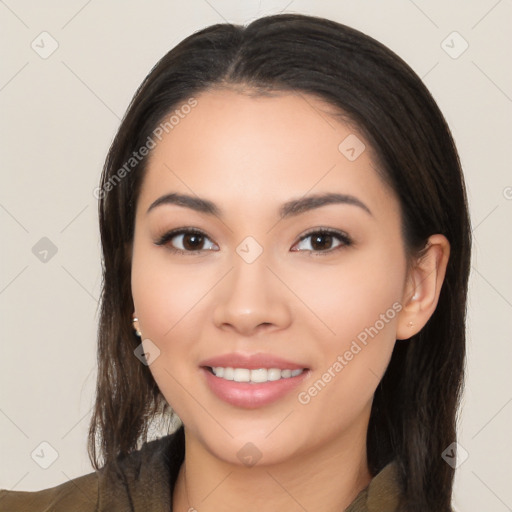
pixel 135 482
pixel 79 494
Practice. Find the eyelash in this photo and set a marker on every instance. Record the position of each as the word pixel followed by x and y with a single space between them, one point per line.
pixel 345 240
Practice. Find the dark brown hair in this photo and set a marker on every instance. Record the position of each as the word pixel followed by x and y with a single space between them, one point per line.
pixel 413 415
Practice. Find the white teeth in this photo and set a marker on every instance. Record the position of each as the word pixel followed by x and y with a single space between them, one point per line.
pixel 257 376
pixel 242 375
pixel 229 373
pixel 273 374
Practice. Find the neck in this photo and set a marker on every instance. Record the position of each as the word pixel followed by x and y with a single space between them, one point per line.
pixel 326 478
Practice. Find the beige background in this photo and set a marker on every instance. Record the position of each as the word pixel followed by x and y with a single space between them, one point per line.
pixel 58 117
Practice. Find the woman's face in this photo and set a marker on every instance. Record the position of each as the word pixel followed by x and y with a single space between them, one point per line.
pixel 262 285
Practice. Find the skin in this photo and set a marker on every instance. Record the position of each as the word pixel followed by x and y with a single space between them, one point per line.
pixel 249 155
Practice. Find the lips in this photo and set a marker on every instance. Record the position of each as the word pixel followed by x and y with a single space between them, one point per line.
pixel 252 395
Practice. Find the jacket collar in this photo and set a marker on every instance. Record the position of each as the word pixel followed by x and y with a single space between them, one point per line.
pixel 382 494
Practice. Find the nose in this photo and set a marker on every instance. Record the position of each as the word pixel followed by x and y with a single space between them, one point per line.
pixel 251 299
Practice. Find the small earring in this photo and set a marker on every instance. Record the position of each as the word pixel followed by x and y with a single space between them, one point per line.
pixel 410 324
pixel 137 332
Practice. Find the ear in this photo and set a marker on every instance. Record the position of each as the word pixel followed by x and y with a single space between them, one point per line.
pixel 423 286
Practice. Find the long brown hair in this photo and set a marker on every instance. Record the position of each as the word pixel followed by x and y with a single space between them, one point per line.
pixel 413 416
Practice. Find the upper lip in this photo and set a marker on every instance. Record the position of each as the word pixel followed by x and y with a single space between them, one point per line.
pixel 251 362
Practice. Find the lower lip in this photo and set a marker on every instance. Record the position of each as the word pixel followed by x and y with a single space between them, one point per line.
pixel 251 395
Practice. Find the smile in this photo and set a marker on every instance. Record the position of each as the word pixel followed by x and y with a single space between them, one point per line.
pixel 252 388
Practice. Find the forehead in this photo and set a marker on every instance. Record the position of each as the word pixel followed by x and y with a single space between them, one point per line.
pixel 234 146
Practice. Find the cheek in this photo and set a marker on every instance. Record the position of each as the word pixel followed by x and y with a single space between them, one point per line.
pixel 358 304
pixel 166 298
pixel 352 295
pixel 165 295
pixel 353 362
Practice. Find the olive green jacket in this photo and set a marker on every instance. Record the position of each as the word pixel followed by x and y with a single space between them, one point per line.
pixel 143 481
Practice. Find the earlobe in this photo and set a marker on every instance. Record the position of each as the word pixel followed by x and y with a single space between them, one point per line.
pixel 423 287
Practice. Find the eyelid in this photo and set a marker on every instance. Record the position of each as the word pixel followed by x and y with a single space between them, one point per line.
pixel 331 231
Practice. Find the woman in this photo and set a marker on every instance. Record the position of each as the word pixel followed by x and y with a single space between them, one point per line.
pixel 286 251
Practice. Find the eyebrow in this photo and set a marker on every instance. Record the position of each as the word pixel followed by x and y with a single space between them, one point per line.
pixel 289 209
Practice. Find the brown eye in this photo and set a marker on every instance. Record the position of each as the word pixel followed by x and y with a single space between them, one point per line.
pixel 323 241
pixel 192 242
pixel 186 241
